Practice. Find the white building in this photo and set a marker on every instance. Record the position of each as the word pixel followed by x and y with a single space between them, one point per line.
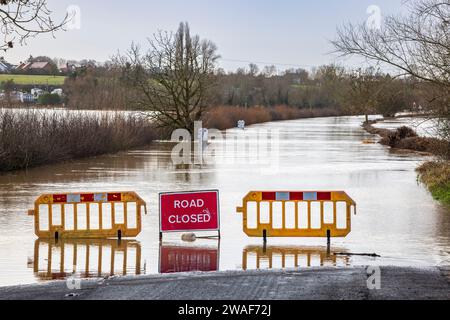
pixel 36 92
pixel 59 92
pixel 26 97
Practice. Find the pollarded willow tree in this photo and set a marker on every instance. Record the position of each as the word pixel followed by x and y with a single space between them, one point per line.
pixel 417 44
pixel 173 79
pixel 23 19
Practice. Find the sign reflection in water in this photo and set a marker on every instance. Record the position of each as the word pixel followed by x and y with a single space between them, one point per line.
pixel 258 257
pixel 86 258
pixel 174 259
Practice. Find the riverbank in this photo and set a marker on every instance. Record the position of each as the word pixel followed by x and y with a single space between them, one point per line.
pixel 407 139
pixel 226 117
pixel 303 284
pixel 32 138
pixel 434 174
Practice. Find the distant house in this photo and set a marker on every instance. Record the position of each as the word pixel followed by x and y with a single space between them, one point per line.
pixel 58 91
pixel 25 97
pixel 35 67
pixel 36 92
pixel 5 67
pixel 69 67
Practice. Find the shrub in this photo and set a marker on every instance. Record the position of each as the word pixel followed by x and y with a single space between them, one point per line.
pixel 394 137
pixel 49 99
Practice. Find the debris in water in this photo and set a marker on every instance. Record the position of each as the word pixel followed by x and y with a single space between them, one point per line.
pixel 189 237
pixel 374 255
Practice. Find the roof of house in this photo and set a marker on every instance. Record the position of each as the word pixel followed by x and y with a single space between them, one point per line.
pixel 4 65
pixel 38 65
pixel 33 65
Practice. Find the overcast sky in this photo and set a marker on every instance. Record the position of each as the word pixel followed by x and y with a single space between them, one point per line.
pixel 283 32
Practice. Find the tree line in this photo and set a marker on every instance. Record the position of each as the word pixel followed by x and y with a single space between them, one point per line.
pixel 176 74
pixel 136 83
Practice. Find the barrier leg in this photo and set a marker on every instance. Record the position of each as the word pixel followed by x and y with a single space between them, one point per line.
pixel 328 241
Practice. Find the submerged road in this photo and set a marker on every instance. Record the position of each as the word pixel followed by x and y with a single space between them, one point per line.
pixel 304 284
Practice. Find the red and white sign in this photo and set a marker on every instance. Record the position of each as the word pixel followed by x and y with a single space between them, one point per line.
pixel 174 259
pixel 189 211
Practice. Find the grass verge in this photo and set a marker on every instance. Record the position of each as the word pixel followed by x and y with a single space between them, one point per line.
pixel 436 176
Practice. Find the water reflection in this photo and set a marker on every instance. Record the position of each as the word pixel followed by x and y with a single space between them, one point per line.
pixel 397 218
pixel 290 257
pixel 175 259
pixel 87 258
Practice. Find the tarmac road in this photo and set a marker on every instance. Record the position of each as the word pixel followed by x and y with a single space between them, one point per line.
pixel 303 284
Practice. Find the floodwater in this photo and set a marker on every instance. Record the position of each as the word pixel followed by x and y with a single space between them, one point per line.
pixel 396 217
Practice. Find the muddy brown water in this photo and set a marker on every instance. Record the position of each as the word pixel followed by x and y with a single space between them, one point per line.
pixel 396 217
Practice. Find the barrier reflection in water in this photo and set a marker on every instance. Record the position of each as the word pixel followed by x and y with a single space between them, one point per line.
pixel 278 257
pixel 87 258
pixel 175 259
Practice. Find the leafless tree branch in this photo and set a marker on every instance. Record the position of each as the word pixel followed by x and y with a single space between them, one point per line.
pixel 23 19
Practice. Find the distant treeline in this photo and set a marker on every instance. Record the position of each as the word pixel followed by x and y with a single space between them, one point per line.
pixel 356 91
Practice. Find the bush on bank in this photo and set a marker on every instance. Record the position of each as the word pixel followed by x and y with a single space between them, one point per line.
pixel 30 138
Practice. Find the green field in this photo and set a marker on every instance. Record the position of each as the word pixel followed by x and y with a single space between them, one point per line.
pixel 33 79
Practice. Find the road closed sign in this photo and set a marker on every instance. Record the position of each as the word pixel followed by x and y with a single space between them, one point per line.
pixel 189 211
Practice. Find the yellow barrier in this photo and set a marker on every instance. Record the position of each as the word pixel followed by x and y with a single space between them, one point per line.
pixel 86 258
pixel 257 257
pixel 297 214
pixel 88 215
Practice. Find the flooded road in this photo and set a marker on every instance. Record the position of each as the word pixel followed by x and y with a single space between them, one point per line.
pixel 396 217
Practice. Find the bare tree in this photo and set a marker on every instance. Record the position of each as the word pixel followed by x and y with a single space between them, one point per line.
pixel 417 45
pixel 360 94
pixel 173 79
pixel 23 19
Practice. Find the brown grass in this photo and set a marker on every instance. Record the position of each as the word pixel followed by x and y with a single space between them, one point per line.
pixel 225 117
pixel 31 138
pixel 436 175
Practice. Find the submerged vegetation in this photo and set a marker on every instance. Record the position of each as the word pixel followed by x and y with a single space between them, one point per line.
pixel 31 138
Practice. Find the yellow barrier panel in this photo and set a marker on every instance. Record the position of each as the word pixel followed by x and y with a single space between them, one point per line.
pixel 85 258
pixel 258 257
pixel 88 215
pixel 297 214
